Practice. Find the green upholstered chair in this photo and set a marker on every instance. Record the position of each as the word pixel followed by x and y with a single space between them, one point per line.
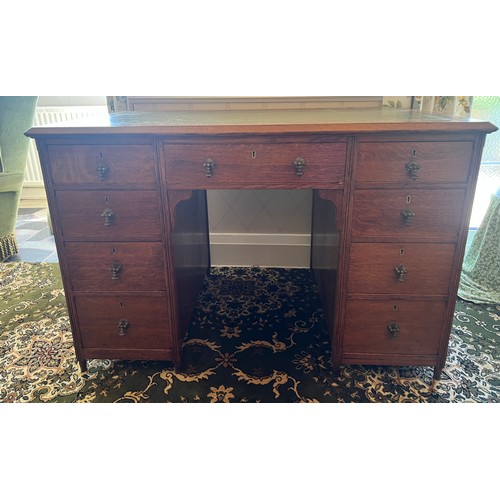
pixel 16 116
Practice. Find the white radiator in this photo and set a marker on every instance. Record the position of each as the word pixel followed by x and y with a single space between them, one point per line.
pixel 46 116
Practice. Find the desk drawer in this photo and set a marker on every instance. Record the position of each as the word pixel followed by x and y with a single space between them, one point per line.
pixel 116 266
pixel 109 216
pixel 420 162
pixel 393 327
pixel 128 322
pixel 208 165
pixel 103 165
pixel 406 268
pixel 407 213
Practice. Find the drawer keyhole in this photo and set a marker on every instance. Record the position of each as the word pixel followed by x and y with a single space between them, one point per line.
pixel 254 154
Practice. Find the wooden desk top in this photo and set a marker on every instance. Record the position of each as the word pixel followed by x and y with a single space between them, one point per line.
pixel 264 122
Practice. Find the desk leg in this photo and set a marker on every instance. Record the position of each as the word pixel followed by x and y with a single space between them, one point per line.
pixel 438 370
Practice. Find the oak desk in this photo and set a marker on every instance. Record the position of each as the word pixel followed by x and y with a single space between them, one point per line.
pixel 392 197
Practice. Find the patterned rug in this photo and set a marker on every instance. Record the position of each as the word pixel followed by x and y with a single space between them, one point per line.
pixel 257 335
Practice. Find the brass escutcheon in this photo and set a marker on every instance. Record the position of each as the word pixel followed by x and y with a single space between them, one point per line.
pixel 412 167
pixel 108 215
pixel 102 170
pixel 401 272
pixel 115 269
pixel 300 165
pixel 209 166
pixel 407 216
pixel 122 326
pixel 393 330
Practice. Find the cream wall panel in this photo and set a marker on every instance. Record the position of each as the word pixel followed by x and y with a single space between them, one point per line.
pixel 151 103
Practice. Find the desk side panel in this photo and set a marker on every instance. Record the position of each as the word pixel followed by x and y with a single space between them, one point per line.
pixel 189 250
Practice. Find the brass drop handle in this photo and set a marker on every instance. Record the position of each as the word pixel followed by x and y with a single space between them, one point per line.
pixel 401 272
pixel 300 165
pixel 393 330
pixel 108 215
pixel 209 166
pixel 115 269
pixel 102 170
pixel 407 216
pixel 412 167
pixel 123 326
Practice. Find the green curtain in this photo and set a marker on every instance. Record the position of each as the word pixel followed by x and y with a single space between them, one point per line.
pixel 480 278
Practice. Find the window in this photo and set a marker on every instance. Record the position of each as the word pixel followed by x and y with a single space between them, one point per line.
pixel 488 108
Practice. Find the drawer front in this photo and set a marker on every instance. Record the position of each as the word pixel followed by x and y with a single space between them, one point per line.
pixel 393 327
pixel 103 165
pixel 255 164
pixel 421 162
pixel 407 268
pixel 407 213
pixel 115 266
pixel 108 216
pixel 129 322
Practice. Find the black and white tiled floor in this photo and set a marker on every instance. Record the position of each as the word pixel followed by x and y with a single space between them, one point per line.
pixel 36 243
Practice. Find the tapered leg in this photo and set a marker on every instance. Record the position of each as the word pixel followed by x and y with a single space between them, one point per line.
pixel 436 376
pixel 437 373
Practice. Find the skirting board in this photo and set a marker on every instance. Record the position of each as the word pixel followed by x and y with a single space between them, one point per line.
pixel 33 195
pixel 258 249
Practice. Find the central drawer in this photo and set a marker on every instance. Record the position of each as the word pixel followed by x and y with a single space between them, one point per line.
pixel 291 164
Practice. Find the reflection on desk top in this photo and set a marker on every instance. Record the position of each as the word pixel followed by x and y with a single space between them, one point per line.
pixel 265 121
